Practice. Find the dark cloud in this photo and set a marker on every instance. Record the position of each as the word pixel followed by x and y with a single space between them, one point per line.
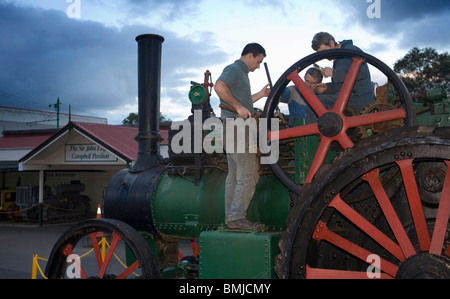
pixel 411 22
pixel 166 9
pixel 45 55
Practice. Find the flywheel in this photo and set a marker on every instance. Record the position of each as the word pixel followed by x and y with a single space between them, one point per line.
pixel 379 210
pixel 333 127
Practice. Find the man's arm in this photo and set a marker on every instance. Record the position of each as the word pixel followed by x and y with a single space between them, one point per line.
pixel 224 93
pixel 263 93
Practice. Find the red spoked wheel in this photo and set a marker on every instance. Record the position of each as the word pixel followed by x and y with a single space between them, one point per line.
pixel 80 253
pixel 333 124
pixel 381 210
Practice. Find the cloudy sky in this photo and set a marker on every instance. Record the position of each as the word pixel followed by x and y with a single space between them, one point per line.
pixel 84 52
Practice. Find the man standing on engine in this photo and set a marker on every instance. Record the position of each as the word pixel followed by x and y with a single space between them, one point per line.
pixel 233 88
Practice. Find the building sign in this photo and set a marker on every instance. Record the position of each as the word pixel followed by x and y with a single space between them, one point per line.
pixel 88 153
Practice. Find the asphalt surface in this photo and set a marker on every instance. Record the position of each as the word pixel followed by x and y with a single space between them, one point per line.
pixel 19 241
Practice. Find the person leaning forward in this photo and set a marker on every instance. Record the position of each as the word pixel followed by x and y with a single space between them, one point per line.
pixel 233 89
pixel 363 91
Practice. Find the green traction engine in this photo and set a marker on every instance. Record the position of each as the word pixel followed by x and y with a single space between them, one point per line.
pixel 358 194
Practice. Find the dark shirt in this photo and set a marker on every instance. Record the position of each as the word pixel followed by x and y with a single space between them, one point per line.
pixel 363 90
pixel 236 77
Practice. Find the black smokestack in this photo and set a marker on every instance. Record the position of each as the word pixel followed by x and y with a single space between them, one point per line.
pixel 149 85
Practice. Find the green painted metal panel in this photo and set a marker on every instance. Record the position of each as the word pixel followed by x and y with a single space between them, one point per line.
pixel 238 255
pixel 182 210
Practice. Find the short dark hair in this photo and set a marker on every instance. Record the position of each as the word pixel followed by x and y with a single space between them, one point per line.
pixel 321 38
pixel 255 49
pixel 315 73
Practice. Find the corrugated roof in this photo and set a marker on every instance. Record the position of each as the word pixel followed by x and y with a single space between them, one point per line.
pixel 23 141
pixel 118 139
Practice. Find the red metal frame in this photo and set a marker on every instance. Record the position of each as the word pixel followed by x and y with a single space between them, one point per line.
pixel 404 249
pixel 313 273
pixel 195 250
pixel 323 233
pixel 440 226
pixel 415 204
pixel 367 227
pixel 103 265
pixel 400 234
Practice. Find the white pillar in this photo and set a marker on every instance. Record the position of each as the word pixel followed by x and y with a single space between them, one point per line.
pixel 41 186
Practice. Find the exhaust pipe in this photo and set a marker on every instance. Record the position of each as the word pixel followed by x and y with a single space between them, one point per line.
pixel 149 85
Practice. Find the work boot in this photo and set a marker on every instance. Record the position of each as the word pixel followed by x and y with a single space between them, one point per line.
pixel 242 223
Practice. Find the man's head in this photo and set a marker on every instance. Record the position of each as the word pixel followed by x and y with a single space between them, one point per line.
pixel 313 77
pixel 323 41
pixel 253 55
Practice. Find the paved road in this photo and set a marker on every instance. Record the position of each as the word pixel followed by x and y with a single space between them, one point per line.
pixel 19 241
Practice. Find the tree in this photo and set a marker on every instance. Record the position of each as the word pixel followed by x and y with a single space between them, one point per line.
pixel 424 68
pixel 133 119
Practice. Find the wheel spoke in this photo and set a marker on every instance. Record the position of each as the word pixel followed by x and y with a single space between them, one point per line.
pixel 347 87
pixel 415 204
pixel 344 140
pixel 373 118
pixel 112 248
pixel 323 233
pixel 299 131
pixel 128 270
pixel 98 255
pixel 373 179
pixel 319 158
pixel 367 227
pixel 309 96
pixel 440 227
pixel 195 248
pixel 314 273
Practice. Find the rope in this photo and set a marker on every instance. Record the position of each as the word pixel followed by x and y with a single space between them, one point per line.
pixel 36 267
pixel 45 205
pixel 18 211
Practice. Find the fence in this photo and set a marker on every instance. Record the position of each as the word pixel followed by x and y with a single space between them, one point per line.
pixel 103 243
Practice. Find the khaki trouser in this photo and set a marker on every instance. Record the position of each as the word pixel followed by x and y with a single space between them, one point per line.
pixel 241 182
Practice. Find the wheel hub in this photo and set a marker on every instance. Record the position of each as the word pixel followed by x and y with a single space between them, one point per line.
pixel 330 124
pixel 425 266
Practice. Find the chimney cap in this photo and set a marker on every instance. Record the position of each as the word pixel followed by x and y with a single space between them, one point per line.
pixel 150 36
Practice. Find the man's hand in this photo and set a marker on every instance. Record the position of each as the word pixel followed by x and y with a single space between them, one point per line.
pixel 321 88
pixel 327 72
pixel 243 112
pixel 263 93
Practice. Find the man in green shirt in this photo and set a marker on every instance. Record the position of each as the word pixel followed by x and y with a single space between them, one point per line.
pixel 233 88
